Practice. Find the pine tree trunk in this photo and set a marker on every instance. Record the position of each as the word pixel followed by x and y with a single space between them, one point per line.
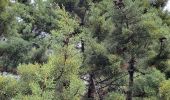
pixel 131 71
pixel 91 90
pixel 129 93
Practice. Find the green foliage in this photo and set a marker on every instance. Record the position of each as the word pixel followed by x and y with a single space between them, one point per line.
pixel 148 85
pixel 8 88
pixel 164 90
pixel 14 52
pixel 155 25
pixel 41 37
pixel 68 4
pixel 117 96
pixel 58 78
pixel 99 21
pixel 36 81
pixel 3 4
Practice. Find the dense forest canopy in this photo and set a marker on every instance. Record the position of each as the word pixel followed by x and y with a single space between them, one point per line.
pixel 84 50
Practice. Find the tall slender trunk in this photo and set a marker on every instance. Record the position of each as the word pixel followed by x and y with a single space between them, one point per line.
pixel 130 91
pixel 131 71
pixel 91 90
